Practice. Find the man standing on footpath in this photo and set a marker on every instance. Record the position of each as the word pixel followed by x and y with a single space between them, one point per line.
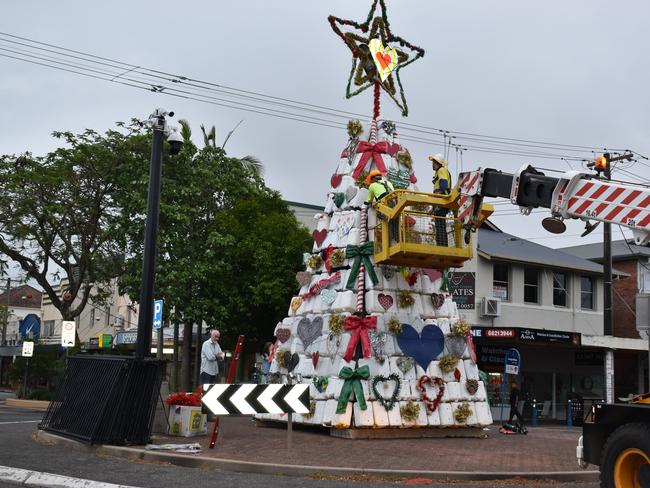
pixel 210 354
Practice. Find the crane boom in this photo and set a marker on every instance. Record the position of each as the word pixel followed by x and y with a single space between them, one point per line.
pixel 573 195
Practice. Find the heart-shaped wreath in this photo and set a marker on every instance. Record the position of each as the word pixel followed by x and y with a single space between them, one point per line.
pixel 387 403
pixel 431 404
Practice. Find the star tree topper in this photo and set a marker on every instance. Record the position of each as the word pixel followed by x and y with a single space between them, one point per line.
pixel 364 65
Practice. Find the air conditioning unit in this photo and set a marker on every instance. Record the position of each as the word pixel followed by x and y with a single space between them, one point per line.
pixel 490 307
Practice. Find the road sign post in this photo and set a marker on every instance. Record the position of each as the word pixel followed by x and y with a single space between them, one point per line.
pixel 157 325
pixel 511 364
pixel 68 333
pixel 28 352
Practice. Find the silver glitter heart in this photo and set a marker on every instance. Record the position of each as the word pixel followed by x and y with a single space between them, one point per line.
pixel 405 364
pixel 388 271
pixel 351 192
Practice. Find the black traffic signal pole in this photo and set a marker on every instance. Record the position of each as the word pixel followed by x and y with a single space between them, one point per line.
pixel 145 316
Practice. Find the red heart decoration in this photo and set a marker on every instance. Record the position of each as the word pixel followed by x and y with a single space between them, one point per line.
pixel 314 358
pixel 283 334
pixel 319 236
pixel 431 404
pixel 384 59
pixel 457 374
pixel 386 301
pixel 433 274
pixel 336 180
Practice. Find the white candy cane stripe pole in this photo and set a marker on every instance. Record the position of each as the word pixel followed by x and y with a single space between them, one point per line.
pixel 361 279
pixel 363 235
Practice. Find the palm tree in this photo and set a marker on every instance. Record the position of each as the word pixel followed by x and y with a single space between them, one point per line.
pixel 249 162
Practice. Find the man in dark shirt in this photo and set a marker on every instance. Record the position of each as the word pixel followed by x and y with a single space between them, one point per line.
pixel 515 395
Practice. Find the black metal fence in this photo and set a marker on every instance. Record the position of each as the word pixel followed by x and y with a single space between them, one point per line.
pixel 106 400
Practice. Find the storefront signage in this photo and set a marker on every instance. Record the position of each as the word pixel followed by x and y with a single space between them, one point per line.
pixel 589 358
pixel 499 333
pixel 105 341
pixel 462 289
pixel 533 335
pixel 494 355
pixel 130 337
pixel 93 343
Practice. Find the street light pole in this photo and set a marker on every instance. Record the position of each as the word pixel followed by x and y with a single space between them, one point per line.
pixel 145 315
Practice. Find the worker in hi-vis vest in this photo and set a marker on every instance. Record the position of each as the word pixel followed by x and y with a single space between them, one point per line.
pixel 378 187
pixel 441 185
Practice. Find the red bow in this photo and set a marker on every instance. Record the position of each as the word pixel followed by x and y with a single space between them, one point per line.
pixel 328 253
pixel 359 327
pixel 374 151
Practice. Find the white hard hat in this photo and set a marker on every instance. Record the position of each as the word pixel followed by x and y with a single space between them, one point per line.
pixel 438 158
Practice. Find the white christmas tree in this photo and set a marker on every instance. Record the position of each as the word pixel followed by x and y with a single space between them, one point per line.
pixel 380 346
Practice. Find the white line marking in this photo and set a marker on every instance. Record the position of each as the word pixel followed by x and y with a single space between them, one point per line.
pixel 36 478
pixel 20 422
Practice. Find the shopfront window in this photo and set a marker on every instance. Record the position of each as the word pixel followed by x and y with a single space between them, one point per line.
pixel 586 293
pixel 560 289
pixel 531 285
pixel 500 281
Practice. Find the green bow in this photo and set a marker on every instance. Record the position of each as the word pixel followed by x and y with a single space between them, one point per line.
pixel 352 383
pixel 362 252
pixel 445 286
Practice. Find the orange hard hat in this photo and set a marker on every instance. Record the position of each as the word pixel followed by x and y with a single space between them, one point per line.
pixel 371 175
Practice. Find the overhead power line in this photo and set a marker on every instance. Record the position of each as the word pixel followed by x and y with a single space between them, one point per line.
pixel 107 69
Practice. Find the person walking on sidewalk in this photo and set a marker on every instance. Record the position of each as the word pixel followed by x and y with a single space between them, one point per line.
pixel 210 354
pixel 515 395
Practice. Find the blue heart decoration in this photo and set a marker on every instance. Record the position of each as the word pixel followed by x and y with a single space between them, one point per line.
pixel 424 347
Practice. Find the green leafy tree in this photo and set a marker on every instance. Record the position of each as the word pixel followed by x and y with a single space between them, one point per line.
pixel 58 213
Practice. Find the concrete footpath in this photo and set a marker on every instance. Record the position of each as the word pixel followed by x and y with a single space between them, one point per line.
pixel 243 446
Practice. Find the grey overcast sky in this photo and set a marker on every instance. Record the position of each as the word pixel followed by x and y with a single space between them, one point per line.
pixel 572 72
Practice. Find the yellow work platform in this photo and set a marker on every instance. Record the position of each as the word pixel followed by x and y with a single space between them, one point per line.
pixel 411 232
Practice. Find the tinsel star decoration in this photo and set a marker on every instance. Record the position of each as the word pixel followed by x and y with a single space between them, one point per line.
pixel 363 74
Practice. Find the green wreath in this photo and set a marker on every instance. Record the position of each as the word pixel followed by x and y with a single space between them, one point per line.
pixel 387 403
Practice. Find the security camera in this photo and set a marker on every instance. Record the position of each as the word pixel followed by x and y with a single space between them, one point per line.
pixel 175 142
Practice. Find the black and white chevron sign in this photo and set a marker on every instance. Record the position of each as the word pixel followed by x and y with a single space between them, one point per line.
pixel 249 399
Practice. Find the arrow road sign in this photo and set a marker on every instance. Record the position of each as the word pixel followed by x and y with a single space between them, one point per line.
pixel 249 399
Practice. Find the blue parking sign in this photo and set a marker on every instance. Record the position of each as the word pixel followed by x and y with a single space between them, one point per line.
pixel 157 314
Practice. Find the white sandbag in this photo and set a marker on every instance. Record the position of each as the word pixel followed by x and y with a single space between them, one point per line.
pixel 318 413
pixel 381 302
pixel 451 376
pixel 346 301
pixel 305 366
pixel 481 394
pixel 295 345
pixel 452 392
pixel 402 284
pixel 471 369
pixel 359 198
pixel 376 368
pixel 409 375
pixel 421 419
pixel 329 412
pixel 433 418
pixel 342 420
pixel 471 420
pixel 433 370
pixel 446 414
pixel 483 414
pixel 363 418
pixel 428 312
pixel 444 325
pixel 333 387
pixel 380 415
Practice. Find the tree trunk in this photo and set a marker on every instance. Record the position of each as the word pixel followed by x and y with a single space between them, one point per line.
pixel 175 359
pixel 199 343
pixel 186 366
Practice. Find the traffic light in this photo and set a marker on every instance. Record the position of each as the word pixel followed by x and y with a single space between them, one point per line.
pixel 600 164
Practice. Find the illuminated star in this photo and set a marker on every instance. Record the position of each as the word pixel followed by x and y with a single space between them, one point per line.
pixel 363 72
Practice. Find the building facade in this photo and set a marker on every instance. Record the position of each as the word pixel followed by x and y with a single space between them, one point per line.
pixel 630 346
pixel 546 304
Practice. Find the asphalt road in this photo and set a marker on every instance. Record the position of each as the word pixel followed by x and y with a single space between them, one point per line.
pixel 19 450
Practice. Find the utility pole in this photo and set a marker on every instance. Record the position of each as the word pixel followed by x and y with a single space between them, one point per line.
pixel 5 322
pixel 145 312
pixel 604 164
